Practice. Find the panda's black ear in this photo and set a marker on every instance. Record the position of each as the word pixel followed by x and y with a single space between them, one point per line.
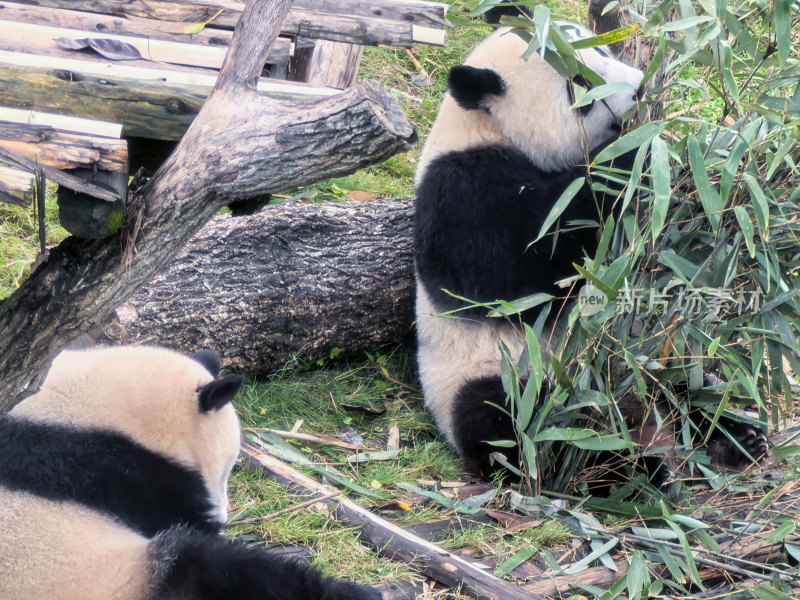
pixel 209 359
pixel 473 88
pixel 216 394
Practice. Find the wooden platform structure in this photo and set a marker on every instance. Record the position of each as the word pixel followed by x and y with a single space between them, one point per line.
pixel 110 87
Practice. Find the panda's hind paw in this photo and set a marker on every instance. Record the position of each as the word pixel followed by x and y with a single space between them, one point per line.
pixel 753 441
pixel 750 438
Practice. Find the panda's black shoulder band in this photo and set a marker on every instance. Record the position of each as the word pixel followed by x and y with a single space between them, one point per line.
pixel 104 471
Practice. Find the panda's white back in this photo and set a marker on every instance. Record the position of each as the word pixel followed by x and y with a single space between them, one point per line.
pixel 63 551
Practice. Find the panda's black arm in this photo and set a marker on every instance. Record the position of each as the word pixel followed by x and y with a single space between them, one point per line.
pixel 201 566
pixel 477 213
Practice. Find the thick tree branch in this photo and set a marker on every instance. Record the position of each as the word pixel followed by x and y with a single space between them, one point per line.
pixel 240 145
pixel 251 42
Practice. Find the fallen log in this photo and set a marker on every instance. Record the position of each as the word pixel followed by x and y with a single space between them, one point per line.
pixel 290 280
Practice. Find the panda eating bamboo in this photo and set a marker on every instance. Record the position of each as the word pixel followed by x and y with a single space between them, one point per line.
pixel 505 145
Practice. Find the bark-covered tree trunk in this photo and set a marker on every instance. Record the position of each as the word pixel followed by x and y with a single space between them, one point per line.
pixel 291 280
pixel 240 145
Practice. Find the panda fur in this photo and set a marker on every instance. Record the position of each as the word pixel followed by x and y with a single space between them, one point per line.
pixel 504 146
pixel 113 485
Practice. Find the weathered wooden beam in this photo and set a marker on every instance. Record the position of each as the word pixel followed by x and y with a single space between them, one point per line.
pixel 16 185
pixel 22 163
pixel 152 101
pixel 62 150
pixel 367 22
pixel 211 41
pixel 61 122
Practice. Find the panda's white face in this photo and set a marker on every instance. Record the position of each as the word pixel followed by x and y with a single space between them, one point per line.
pixel 149 395
pixel 533 111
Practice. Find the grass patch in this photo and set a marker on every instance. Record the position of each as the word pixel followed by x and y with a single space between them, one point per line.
pixel 335 548
pixel 19 239
pixel 487 541
pixel 370 398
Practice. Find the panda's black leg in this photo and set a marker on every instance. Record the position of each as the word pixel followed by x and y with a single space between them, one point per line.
pixel 725 453
pixel 477 420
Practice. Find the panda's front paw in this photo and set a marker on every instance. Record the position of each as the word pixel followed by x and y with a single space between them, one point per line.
pixel 725 453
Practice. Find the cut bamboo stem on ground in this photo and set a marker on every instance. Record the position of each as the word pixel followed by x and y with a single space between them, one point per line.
pixel 285 511
pixel 311 439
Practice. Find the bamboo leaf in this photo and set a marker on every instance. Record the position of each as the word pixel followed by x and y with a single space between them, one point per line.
pixel 746 226
pixel 661 185
pixel 687 551
pixel 362 457
pixel 563 201
pixel 786 528
pixel 610 37
pixel 709 198
pixel 793 551
pixel 520 305
pixel 198 27
pixel 671 563
pixel 760 206
pixel 633 139
pixel 766 591
pixel 688 521
pixel 688 23
pixel 584 563
pixel 783 28
pixel 784 452
pixel 638 577
pixel 512 563
pixel 585 439
pixel 602 91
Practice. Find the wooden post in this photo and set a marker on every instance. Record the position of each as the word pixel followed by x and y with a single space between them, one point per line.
pixel 334 64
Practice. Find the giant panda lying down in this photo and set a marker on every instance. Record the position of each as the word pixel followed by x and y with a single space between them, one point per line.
pixel 504 146
pixel 113 486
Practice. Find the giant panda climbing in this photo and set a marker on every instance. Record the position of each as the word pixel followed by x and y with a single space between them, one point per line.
pixel 505 145
pixel 113 485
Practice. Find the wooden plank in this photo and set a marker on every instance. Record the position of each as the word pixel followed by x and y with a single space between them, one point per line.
pixel 16 185
pixel 64 123
pixel 28 36
pixel 334 64
pixel 355 29
pixel 152 101
pixel 73 65
pixel 62 150
pixel 16 161
pixel 107 26
pixel 367 22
